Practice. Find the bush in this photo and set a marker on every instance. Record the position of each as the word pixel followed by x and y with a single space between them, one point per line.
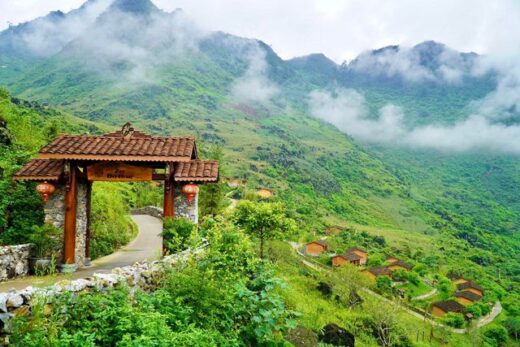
pixel 384 284
pixel 176 234
pixel 46 240
pixel 496 335
pixel 455 320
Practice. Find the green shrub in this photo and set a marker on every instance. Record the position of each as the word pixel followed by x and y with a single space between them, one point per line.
pixel 455 320
pixel 46 240
pixel 176 234
pixel 495 334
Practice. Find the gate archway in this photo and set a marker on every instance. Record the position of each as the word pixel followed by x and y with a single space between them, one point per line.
pixel 73 162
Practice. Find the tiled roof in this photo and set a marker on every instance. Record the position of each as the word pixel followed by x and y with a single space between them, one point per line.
pixel 468 285
pixel 197 171
pixel 449 306
pixel 114 146
pixel 380 271
pixel 320 242
pixel 356 249
pixel 468 295
pixel 401 264
pixel 41 169
pixel 351 256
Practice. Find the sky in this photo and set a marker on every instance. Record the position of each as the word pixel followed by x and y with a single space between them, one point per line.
pixel 341 29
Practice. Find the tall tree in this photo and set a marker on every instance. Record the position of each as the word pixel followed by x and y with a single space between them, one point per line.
pixel 264 221
pixel 213 196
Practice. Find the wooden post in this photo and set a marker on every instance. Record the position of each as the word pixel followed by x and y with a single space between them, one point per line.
pixel 169 192
pixel 89 203
pixel 69 238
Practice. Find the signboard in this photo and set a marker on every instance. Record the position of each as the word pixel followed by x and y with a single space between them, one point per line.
pixel 112 171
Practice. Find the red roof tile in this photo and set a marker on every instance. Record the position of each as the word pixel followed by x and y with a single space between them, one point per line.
pixel 114 146
pixel 197 171
pixel 41 169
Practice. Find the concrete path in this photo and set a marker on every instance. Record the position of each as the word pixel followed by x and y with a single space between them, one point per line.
pixel 146 246
pixel 426 296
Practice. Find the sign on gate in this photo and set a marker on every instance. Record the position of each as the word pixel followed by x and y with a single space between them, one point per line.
pixel 118 171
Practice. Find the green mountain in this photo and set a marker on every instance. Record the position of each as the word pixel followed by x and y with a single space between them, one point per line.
pixel 130 61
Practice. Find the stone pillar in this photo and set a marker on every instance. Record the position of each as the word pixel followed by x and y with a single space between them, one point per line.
pixel 183 209
pixel 55 215
pixel 55 207
pixel 81 222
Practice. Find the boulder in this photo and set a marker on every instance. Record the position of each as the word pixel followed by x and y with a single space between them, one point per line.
pixel 335 335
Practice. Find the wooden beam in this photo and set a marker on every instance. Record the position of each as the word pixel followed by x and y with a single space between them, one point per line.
pixel 69 237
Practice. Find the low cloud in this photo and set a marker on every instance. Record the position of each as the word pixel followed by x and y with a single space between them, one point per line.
pixel 254 86
pixel 347 109
pixel 426 62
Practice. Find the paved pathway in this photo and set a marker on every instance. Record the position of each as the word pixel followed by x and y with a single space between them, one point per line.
pixel 146 246
pixel 427 295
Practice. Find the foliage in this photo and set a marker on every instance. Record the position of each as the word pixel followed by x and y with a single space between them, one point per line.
pixel 495 334
pixel 455 320
pixel 384 284
pixel 213 199
pixel 111 227
pixel 46 240
pixel 264 221
pixel 176 234
pixel 227 297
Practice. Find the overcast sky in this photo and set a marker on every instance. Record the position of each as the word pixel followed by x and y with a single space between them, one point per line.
pixel 339 28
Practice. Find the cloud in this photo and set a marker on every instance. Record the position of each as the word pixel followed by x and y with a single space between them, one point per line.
pixel 347 109
pixel 426 62
pixel 254 86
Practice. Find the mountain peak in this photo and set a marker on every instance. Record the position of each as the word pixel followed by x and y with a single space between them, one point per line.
pixel 134 6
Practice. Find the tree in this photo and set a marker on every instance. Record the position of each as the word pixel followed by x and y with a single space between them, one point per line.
pixel 264 221
pixel 497 333
pixel 213 196
pixel 384 284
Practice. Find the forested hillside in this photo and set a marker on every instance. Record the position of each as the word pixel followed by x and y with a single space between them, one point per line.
pixel 453 209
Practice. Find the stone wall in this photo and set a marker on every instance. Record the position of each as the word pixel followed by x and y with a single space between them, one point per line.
pixel 55 207
pixel 183 209
pixel 153 211
pixel 144 275
pixel 14 261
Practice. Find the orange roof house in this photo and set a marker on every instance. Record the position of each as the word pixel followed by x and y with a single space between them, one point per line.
pixel 456 279
pixel 440 308
pixel 375 272
pixel 317 247
pixel 399 265
pixel 391 259
pixel 470 287
pixel 341 259
pixel 467 298
pixel 360 252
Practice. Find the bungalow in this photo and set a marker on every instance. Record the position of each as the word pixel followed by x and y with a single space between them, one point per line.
pixel 456 279
pixel 467 298
pixel 470 287
pixel 341 259
pixel 375 272
pixel 315 248
pixel 440 308
pixel 360 252
pixel 399 265
pixel 391 259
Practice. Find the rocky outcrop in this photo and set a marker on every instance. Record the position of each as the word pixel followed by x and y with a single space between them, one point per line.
pixel 145 275
pixel 14 261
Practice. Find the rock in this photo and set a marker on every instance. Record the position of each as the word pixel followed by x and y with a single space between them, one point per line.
pixel 4 320
pixel 336 336
pixel 302 337
pixel 14 301
pixel 3 303
pixel 22 311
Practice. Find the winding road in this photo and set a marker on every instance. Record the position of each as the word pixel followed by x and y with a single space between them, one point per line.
pixel 146 246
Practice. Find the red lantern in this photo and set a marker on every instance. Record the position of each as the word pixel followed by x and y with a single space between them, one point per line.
pixel 45 190
pixel 190 190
